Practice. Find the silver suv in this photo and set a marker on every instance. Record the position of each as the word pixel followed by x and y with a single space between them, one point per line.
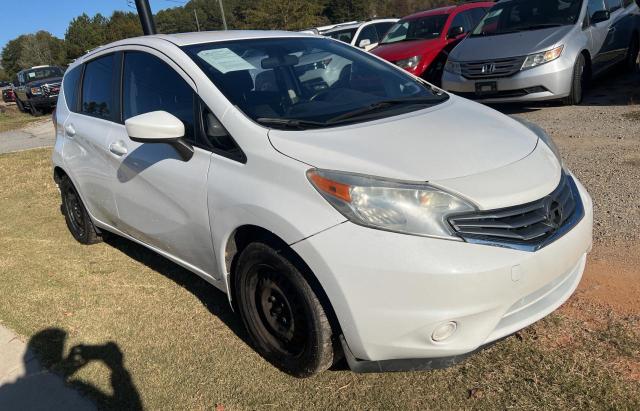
pixel 533 50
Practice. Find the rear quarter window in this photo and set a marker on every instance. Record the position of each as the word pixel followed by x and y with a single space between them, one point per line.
pixel 70 87
pixel 98 99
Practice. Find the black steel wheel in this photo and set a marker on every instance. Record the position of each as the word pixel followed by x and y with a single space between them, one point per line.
pixel 283 316
pixel 20 105
pixel 75 214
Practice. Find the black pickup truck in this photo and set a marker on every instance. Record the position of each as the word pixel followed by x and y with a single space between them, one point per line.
pixel 36 89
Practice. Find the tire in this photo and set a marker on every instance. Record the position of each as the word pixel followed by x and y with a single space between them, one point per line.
pixel 578 83
pixel 34 110
pixel 632 55
pixel 20 105
pixel 286 321
pixel 75 214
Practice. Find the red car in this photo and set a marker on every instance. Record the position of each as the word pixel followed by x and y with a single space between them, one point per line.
pixel 420 43
pixel 8 96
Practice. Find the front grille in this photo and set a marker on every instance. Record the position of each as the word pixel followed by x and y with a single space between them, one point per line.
pixel 529 226
pixel 491 68
pixel 51 89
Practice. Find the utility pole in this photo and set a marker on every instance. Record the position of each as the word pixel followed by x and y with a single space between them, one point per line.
pixel 195 13
pixel 146 17
pixel 224 20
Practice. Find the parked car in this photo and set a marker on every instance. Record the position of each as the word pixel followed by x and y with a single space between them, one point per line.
pixel 379 217
pixel 420 43
pixel 532 50
pixel 365 35
pixel 36 89
pixel 7 95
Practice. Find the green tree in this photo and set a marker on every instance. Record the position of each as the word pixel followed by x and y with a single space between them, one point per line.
pixel 83 34
pixel 11 54
pixel 122 25
pixel 42 48
pixel 284 15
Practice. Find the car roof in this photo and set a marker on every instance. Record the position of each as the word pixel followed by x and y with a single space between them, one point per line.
pixel 354 25
pixel 449 9
pixel 184 39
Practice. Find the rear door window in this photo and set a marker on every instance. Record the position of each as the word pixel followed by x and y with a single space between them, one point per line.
pixel 70 86
pixel 97 88
pixel 149 84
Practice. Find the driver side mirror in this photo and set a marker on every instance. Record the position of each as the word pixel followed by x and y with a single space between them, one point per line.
pixel 159 127
pixel 455 32
pixel 364 43
pixel 600 15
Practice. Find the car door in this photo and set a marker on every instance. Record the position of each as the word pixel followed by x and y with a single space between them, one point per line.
pixel 87 129
pixel 161 197
pixel 602 38
pixel 620 29
pixel 367 36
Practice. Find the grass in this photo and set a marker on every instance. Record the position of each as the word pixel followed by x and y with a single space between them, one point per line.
pixel 12 119
pixel 154 333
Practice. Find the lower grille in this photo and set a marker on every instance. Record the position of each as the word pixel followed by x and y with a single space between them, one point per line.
pixel 491 68
pixel 529 226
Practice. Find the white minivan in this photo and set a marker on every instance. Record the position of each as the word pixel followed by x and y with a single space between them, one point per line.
pixel 345 206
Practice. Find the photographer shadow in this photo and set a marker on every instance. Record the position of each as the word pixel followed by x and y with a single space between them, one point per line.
pixel 40 389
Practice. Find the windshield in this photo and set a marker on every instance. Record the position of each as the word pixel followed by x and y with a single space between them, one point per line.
pixel 424 28
pixel 42 73
pixel 522 15
pixel 345 35
pixel 296 81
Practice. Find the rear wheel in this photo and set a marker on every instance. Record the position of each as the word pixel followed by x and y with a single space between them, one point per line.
pixel 283 315
pixel 578 83
pixel 76 215
pixel 20 105
pixel 632 55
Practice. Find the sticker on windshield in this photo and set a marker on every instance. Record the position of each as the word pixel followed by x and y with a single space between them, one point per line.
pixel 225 60
pixel 32 74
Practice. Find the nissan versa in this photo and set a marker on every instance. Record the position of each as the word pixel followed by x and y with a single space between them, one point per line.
pixel 345 206
pixel 533 50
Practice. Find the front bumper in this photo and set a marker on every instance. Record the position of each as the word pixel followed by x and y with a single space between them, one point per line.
pixel 44 101
pixel 549 81
pixel 391 291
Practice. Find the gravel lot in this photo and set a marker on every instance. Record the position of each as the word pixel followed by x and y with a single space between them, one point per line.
pixel 600 142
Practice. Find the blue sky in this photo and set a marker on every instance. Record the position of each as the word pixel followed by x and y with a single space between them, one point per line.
pixel 28 16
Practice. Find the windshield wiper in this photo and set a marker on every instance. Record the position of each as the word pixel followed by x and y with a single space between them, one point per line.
pixel 291 122
pixel 380 105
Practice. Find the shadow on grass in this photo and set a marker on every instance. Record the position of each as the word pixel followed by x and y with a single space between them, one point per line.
pixel 39 389
pixel 213 299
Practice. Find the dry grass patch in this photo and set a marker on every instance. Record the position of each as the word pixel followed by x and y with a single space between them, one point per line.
pixel 181 347
pixel 12 119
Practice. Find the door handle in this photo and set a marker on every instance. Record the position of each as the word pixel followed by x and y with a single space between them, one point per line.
pixel 70 130
pixel 118 148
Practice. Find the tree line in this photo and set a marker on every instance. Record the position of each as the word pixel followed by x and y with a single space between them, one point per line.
pixel 88 32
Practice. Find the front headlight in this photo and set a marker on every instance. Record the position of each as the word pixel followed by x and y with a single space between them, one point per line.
pixel 417 209
pixel 542 135
pixel 410 63
pixel 36 91
pixel 542 58
pixel 453 67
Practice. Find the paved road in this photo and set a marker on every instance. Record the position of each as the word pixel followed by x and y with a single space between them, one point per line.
pixel 40 134
pixel 26 385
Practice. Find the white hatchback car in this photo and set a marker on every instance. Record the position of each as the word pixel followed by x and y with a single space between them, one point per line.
pixel 376 217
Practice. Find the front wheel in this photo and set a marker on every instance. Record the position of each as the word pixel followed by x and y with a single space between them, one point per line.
pixel 283 315
pixel 20 105
pixel 578 83
pixel 76 215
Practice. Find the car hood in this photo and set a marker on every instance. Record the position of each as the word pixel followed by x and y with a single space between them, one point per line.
pixel 454 139
pixel 405 49
pixel 50 80
pixel 508 45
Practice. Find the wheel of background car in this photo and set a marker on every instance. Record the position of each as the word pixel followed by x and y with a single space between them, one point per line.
pixel 283 316
pixel 578 82
pixel 34 110
pixel 20 105
pixel 632 56
pixel 75 214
